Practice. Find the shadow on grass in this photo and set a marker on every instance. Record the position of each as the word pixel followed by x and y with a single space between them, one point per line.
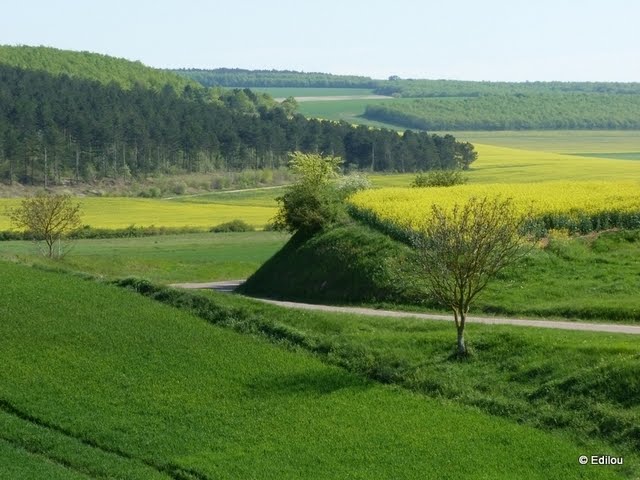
pixel 313 384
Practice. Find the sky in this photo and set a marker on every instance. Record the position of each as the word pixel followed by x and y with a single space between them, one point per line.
pixel 493 40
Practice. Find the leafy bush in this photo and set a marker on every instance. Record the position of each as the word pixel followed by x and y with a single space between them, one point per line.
pixel 308 208
pixel 232 226
pixel 439 178
pixel 352 183
pixel 312 203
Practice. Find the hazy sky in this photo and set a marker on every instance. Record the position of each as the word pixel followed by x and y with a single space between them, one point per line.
pixel 454 39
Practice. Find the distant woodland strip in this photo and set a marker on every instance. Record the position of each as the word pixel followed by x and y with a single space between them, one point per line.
pixel 560 111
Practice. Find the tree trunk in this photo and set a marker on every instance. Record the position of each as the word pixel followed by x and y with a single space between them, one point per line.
pixel 78 163
pixel 46 167
pixel 462 348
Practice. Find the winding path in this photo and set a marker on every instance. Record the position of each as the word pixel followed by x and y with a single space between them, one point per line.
pixel 230 285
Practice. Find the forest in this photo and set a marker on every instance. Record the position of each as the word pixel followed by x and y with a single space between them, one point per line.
pixel 94 66
pixel 55 128
pixel 561 111
pixel 410 88
pixel 238 77
pixel 454 105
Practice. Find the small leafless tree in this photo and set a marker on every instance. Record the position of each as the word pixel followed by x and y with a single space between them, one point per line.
pixel 48 218
pixel 459 251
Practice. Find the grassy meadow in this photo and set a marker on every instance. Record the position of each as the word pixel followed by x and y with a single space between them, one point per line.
pixel 164 258
pixel 262 197
pixel 111 385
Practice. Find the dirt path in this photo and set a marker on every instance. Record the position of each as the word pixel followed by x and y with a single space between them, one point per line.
pixel 230 285
pixel 224 191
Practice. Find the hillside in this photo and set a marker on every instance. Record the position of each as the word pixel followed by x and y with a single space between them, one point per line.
pixel 549 111
pixel 112 385
pixel 66 117
pixel 91 66
pixel 241 78
pixel 454 105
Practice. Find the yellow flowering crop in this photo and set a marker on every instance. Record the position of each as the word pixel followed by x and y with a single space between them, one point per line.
pixel 121 212
pixel 410 207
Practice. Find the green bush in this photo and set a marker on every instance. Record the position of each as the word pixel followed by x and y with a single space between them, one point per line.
pixel 232 226
pixel 308 208
pixel 439 178
pixel 313 202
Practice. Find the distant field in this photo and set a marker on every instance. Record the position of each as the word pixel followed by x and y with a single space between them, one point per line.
pixel 122 212
pixel 165 259
pixel 510 165
pixel 264 197
pixel 614 155
pixel 560 141
pixel 111 385
pixel 347 110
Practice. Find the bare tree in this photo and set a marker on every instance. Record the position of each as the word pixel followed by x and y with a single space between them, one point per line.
pixel 461 250
pixel 47 217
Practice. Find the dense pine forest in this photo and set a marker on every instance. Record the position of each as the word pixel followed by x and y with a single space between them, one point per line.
pixel 55 128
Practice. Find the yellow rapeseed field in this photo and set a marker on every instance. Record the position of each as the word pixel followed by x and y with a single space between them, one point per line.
pixel 123 212
pixel 509 165
pixel 410 207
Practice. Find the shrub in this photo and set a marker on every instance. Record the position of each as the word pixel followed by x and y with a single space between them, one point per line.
pixel 308 208
pixel 232 226
pixel 352 183
pixel 313 202
pixel 439 178
pixel 179 188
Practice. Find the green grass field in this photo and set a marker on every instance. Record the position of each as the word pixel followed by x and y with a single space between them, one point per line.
pixel 166 258
pixel 264 197
pixel 583 382
pixel 111 385
pixel 347 110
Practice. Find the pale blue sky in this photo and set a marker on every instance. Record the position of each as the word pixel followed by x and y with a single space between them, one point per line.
pixel 455 39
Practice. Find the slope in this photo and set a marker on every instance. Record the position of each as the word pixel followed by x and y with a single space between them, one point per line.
pixel 91 66
pixel 105 383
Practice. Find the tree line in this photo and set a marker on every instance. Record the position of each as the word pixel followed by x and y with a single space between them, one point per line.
pixel 55 127
pixel 396 86
pixel 410 88
pixel 238 77
pixel 565 111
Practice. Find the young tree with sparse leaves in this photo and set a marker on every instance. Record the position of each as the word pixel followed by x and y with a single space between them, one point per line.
pixel 48 218
pixel 459 251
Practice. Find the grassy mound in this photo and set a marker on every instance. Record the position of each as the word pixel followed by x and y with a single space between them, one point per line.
pixel 346 264
pixel 595 277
